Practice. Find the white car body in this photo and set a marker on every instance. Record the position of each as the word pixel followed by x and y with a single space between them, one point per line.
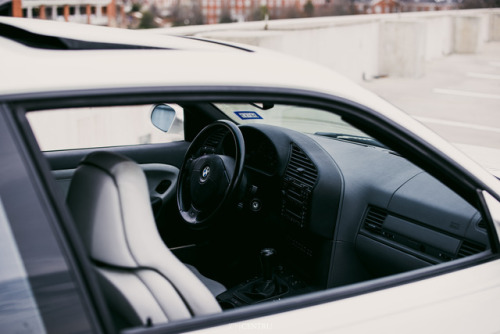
pixel 462 301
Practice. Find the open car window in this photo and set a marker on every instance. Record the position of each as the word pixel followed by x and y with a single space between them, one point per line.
pixel 91 127
pixel 318 205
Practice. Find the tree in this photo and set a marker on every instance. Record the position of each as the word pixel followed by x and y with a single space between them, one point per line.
pixel 260 13
pixel 467 4
pixel 187 13
pixel 308 8
pixel 136 7
pixel 292 12
pixel 225 15
pixel 147 20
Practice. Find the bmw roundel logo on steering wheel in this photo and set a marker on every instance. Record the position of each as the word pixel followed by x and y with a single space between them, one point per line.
pixel 205 173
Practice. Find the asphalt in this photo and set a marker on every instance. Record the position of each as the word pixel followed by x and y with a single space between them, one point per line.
pixel 458 98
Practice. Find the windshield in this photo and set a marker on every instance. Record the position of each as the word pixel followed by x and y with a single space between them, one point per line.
pixel 303 119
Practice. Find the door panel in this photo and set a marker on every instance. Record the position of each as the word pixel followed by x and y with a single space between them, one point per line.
pixel 168 153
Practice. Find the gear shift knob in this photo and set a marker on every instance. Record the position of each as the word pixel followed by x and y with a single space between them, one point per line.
pixel 267 259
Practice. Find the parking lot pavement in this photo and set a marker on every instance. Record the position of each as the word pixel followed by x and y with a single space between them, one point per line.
pixel 458 98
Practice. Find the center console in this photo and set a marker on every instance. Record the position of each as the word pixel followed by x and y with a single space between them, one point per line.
pixel 274 283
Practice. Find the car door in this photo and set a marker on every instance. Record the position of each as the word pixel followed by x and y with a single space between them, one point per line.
pixel 41 286
pixel 393 300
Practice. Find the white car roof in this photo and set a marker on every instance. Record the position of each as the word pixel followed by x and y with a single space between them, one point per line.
pixel 187 63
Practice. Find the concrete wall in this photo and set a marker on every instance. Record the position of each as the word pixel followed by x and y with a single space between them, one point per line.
pixel 402 46
pixel 365 46
pixel 494 27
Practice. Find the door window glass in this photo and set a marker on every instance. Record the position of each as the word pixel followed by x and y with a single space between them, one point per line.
pixel 18 309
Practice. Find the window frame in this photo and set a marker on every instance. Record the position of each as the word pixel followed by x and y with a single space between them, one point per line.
pixel 416 150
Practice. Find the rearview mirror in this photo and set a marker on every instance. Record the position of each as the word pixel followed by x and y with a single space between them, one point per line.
pixel 263 106
pixel 163 116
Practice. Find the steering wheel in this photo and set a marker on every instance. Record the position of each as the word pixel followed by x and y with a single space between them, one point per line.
pixel 208 180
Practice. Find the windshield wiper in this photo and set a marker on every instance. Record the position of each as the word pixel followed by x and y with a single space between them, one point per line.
pixel 353 138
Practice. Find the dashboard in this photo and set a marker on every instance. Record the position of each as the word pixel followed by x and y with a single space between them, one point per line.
pixel 347 212
pixel 337 212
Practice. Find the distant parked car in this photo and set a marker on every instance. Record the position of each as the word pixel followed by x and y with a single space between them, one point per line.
pixel 165 184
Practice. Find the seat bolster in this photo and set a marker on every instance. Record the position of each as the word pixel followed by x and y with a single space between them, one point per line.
pixel 196 294
pixel 171 303
pixel 133 299
pixel 146 245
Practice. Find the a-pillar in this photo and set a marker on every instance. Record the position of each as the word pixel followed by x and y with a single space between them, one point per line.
pixel 17 8
pixel 66 13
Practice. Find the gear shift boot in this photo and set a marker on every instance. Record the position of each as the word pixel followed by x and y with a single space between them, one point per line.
pixel 268 286
pixel 275 282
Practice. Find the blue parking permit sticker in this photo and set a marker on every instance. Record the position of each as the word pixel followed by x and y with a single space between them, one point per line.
pixel 247 115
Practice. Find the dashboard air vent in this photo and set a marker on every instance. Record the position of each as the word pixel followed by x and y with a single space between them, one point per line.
pixel 374 220
pixel 299 180
pixel 215 138
pixel 301 168
pixel 482 224
pixel 468 248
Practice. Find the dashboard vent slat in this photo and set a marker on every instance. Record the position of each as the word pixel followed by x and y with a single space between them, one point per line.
pixel 482 224
pixel 298 183
pixel 468 248
pixel 215 138
pixel 301 168
pixel 374 220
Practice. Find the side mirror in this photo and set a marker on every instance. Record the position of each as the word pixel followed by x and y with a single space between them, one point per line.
pixel 163 116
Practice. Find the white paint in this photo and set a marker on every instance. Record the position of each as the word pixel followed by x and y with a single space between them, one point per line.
pixel 486 156
pixel 466 93
pixel 457 124
pixel 464 301
pixel 483 75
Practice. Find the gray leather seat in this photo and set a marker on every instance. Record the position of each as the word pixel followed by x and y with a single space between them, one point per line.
pixel 142 280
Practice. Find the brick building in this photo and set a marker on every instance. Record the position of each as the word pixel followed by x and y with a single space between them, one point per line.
pixel 245 10
pixel 99 12
pixel 394 6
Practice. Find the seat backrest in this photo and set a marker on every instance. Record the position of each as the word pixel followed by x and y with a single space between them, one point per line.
pixel 109 200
